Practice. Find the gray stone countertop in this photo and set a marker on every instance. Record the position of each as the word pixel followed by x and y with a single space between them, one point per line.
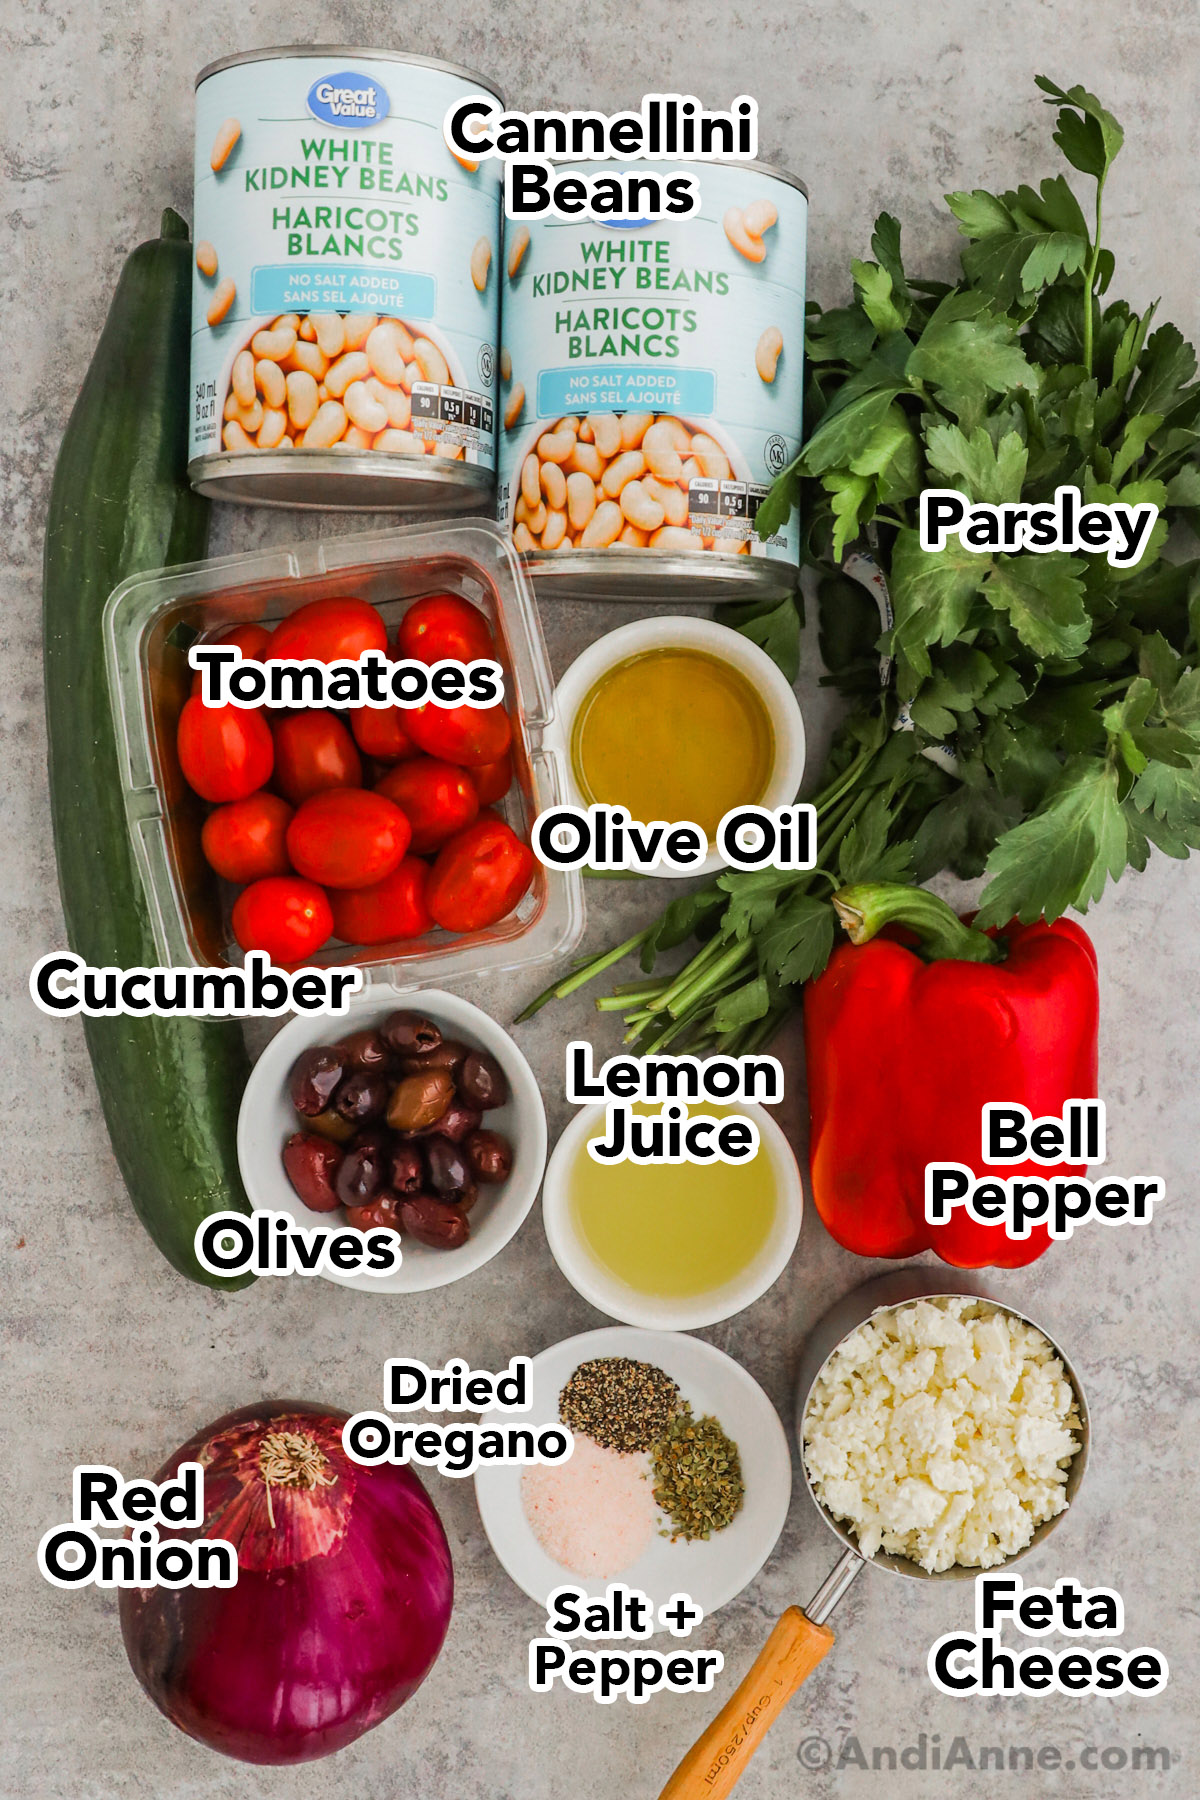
pixel 109 1356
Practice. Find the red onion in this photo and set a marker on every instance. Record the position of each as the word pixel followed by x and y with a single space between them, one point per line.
pixel 342 1600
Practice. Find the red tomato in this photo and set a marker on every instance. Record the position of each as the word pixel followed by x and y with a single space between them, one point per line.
pixel 479 876
pixel 329 631
pixel 382 733
pixel 466 735
pixel 246 839
pixel 444 625
pixel 225 752
pixel 251 640
pixel 314 751
pixel 392 908
pixel 492 781
pixel 286 917
pixel 347 838
pixel 436 798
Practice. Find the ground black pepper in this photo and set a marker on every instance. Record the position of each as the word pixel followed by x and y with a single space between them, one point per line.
pixel 619 1403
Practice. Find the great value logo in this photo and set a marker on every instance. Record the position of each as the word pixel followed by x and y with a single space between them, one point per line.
pixel 349 99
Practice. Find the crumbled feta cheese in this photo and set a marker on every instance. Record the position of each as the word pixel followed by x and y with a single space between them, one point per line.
pixel 942 1431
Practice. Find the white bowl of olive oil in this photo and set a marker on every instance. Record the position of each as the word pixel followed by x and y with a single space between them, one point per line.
pixel 679 719
pixel 672 1246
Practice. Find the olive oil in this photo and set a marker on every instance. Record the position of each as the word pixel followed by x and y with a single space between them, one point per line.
pixel 674 1230
pixel 673 734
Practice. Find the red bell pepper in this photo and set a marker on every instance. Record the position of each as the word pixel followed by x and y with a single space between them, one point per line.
pixel 904 1048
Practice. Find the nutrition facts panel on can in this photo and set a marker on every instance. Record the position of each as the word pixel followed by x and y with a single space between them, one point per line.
pixel 724 508
pixel 452 415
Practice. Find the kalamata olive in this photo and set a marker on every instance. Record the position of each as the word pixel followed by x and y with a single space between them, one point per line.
pixel 407 1033
pixel 312 1165
pixel 420 1099
pixel 446 1055
pixel 489 1155
pixel 315 1074
pixel 384 1209
pixel 364 1050
pixel 466 1198
pixel 362 1096
pixel 449 1170
pixel 408 1169
pixel 456 1123
pixel 373 1137
pixel 331 1125
pixel 362 1174
pixel 434 1222
pixel 481 1081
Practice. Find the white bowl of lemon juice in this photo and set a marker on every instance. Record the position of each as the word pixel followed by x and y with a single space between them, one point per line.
pixel 679 719
pixel 672 1246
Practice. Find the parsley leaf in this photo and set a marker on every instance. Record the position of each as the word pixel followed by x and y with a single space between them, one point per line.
pixel 981 469
pixel 798 942
pixel 931 593
pixel 1043 596
pixel 1088 136
pixel 1064 854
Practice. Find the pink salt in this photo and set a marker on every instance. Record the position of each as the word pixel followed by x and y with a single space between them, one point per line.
pixel 595 1513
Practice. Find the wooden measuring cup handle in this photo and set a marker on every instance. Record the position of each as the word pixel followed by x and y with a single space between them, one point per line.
pixel 717 1760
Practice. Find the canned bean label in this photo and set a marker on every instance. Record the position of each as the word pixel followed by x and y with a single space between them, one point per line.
pixel 651 390
pixel 346 294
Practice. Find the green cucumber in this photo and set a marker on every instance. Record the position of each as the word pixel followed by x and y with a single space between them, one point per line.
pixel 120 504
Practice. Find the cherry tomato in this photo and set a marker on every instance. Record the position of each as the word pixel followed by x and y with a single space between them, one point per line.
pixel 492 781
pixel 314 751
pixel 225 752
pixel 347 838
pixel 466 735
pixel 382 732
pixel 479 876
pixel 245 840
pixel 251 640
pixel 392 908
pixel 444 625
pixel 329 631
pixel 436 798
pixel 288 918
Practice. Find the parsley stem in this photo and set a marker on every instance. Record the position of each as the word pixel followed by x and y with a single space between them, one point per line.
pixel 842 783
pixel 592 966
pixel 1090 278
pixel 844 823
pixel 704 980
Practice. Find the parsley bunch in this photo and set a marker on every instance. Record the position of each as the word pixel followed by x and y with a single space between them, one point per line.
pixel 1067 690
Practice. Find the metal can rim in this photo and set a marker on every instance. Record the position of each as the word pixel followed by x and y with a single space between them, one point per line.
pixel 207 474
pixel 294 52
pixel 761 168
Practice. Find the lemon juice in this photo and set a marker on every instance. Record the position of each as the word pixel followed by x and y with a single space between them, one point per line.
pixel 674 1230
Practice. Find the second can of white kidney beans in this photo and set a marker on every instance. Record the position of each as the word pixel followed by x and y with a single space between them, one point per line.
pixel 345 315
pixel 651 390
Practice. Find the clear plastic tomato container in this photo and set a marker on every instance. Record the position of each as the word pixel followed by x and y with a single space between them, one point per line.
pixel 150 623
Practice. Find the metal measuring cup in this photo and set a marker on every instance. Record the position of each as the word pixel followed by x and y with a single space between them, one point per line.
pixel 802 1637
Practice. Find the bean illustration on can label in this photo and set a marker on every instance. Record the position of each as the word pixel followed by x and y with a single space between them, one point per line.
pixel 652 381
pixel 346 292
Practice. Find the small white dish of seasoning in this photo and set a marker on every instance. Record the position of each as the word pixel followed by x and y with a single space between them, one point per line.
pixel 678 719
pixel 613 1514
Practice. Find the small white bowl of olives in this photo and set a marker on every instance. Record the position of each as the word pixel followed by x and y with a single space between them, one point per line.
pixel 412 1109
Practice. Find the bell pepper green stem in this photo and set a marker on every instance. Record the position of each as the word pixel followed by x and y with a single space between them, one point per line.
pixel 172 225
pixel 864 910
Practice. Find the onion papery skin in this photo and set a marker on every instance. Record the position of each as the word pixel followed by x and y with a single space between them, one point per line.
pixel 341 1605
